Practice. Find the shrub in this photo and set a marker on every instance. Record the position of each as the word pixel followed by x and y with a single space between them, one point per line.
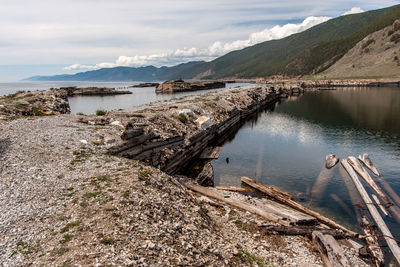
pixel 100 112
pixel 182 117
pixel 367 43
pixel 37 112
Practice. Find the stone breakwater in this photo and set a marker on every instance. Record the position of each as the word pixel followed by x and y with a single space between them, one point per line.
pixel 38 103
pixel 347 83
pixel 182 86
pixel 93 91
pixel 170 136
pixel 47 102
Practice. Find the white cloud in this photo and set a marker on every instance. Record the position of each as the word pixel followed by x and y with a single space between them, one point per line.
pixel 214 50
pixel 353 10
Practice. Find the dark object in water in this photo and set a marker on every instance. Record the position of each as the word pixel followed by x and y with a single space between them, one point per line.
pixel 227 160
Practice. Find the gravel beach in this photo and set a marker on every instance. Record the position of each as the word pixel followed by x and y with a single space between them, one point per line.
pixel 64 201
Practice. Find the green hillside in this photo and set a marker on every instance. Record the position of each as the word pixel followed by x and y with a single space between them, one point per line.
pixel 308 52
pixel 304 52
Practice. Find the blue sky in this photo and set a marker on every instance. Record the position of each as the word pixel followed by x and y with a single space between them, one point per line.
pixel 46 37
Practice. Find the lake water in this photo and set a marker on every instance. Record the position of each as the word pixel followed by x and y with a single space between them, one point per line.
pixel 286 147
pixel 89 104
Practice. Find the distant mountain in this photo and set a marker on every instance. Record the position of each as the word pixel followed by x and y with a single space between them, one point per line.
pixel 308 52
pixel 149 73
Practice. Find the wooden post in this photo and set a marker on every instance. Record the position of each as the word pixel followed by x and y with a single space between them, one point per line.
pixel 374 212
pixel 282 197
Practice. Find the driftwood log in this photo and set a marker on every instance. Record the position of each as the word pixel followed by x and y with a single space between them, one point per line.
pixel 282 197
pixel 331 252
pixel 373 211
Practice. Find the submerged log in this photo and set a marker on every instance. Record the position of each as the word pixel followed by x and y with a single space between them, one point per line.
pixel 302 230
pixel 331 252
pixel 341 204
pixel 373 211
pixel 331 160
pixel 282 197
pixel 367 178
pixel 321 183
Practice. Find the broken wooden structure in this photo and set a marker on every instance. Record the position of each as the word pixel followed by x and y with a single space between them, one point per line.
pixel 350 167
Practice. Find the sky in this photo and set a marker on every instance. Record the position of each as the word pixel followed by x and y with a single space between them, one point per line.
pixel 47 37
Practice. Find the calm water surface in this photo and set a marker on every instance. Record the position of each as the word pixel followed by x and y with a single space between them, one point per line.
pixel 89 104
pixel 286 147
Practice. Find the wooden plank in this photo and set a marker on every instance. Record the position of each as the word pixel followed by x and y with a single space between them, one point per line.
pixel 367 178
pixel 301 230
pixel 234 189
pixel 373 211
pixel 235 203
pixel 211 153
pixel 287 201
pixel 377 201
pixel 331 252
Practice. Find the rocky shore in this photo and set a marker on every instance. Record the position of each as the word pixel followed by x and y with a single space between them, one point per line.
pixel 182 86
pixel 66 200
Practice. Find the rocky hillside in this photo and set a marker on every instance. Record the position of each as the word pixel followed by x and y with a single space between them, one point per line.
pixel 377 55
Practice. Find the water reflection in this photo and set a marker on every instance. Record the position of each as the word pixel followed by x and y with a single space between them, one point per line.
pixel 287 147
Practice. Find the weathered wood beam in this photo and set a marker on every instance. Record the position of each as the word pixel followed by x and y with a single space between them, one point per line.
pixel 236 203
pixel 282 197
pixel 302 230
pixel 331 252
